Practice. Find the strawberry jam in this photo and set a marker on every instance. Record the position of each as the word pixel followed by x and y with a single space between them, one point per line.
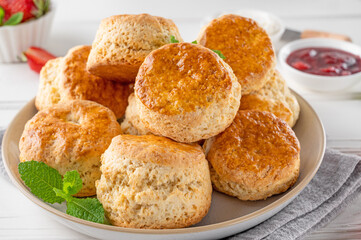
pixel 325 61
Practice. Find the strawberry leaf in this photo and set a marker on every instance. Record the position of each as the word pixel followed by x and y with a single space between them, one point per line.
pixel 14 19
pixel 46 6
pixel 2 15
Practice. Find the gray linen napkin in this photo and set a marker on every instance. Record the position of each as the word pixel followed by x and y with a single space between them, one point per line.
pixel 335 185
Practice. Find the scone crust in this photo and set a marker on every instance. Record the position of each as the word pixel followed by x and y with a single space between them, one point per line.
pixel 274 97
pixel 48 90
pixel 123 41
pixel 132 125
pixel 246 46
pixel 70 136
pixel 153 182
pixel 77 83
pixel 186 92
pixel 66 79
pixel 256 157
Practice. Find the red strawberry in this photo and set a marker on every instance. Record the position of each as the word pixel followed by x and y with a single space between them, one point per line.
pixel 37 57
pixel 26 6
pixel 5 4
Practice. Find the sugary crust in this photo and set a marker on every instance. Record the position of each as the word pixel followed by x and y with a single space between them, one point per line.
pixel 180 78
pixel 123 41
pixel 246 46
pixel 152 182
pixel 67 79
pixel 274 97
pixel 186 92
pixel 70 136
pixel 256 157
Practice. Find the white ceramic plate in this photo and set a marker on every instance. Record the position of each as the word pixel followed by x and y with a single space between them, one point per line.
pixel 227 215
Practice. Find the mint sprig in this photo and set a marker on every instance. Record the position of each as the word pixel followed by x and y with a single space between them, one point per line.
pixel 219 54
pixel 173 39
pixel 41 179
pixel 46 183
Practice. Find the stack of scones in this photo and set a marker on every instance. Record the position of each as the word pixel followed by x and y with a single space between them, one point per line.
pixel 189 119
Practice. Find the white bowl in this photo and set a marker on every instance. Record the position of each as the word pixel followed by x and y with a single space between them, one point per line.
pixel 314 82
pixel 16 39
pixel 270 22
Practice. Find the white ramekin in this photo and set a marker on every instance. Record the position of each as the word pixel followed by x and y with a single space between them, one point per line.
pixel 314 82
pixel 16 39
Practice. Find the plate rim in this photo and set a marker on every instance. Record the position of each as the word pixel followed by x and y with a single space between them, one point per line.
pixel 198 229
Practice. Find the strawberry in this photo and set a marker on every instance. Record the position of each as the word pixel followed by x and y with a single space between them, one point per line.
pixel 6 6
pixel 29 8
pixel 37 58
pixel 25 6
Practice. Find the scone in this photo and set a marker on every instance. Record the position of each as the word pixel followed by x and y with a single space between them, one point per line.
pixel 123 41
pixel 66 78
pixel 153 182
pixel 70 136
pixel 274 97
pixel 246 46
pixel 132 124
pixel 186 92
pixel 256 157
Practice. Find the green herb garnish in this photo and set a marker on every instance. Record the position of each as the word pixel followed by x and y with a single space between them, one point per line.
pixel 173 39
pixel 14 19
pixel 2 15
pixel 195 42
pixel 46 183
pixel 219 54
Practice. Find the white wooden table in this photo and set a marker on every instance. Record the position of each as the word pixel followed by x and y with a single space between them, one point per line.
pixel 76 23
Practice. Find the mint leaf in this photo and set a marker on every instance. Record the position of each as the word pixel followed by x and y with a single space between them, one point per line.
pixel 195 42
pixel 62 194
pixel 14 19
pixel 219 54
pixel 173 39
pixel 2 15
pixel 72 182
pixel 41 179
pixel 86 208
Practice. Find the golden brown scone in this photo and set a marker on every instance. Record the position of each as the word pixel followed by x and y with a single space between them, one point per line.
pixel 186 92
pixel 70 136
pixel 153 182
pixel 48 91
pixel 73 81
pixel 123 41
pixel 274 97
pixel 132 124
pixel 246 46
pixel 256 157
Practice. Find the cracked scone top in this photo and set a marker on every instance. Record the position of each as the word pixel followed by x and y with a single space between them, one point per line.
pixel 256 157
pixel 123 41
pixel 153 182
pixel 186 92
pixel 70 136
pixel 246 46
pixel 64 79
